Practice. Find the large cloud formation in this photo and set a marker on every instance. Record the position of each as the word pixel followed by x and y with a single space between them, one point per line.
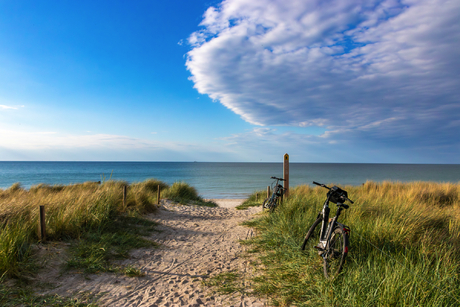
pixel 380 70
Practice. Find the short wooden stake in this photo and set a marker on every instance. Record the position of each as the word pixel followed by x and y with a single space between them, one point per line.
pixel 268 191
pixel 42 226
pixel 286 175
pixel 124 196
pixel 158 196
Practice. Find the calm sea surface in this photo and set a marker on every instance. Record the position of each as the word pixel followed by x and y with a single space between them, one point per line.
pixel 221 180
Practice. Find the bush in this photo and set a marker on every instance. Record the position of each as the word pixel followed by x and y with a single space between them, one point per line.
pixel 182 192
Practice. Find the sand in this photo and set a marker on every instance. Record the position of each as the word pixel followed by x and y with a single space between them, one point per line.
pixel 196 243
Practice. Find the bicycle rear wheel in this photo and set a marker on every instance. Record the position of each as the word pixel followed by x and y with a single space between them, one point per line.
pixel 273 204
pixel 335 253
pixel 270 204
pixel 312 236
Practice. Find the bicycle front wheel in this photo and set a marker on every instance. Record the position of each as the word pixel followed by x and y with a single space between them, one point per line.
pixel 269 204
pixel 312 236
pixel 335 253
pixel 265 203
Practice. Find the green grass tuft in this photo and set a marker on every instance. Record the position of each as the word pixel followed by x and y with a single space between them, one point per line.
pixel 256 199
pixel 184 194
pixel 20 296
pixel 133 272
pixel 95 250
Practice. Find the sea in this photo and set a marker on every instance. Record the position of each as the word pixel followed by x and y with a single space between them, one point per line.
pixel 221 180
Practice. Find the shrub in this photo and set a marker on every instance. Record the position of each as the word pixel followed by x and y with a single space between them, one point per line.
pixel 182 192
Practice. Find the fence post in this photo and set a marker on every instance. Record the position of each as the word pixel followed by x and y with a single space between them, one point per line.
pixel 268 191
pixel 158 196
pixel 124 196
pixel 286 174
pixel 42 226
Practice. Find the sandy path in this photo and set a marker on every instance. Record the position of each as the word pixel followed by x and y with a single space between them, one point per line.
pixel 196 243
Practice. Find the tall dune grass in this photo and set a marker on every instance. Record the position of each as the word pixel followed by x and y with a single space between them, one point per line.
pixel 405 248
pixel 71 211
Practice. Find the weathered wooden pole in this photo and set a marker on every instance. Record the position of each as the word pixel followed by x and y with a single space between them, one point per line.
pixel 268 191
pixel 286 174
pixel 42 226
pixel 158 196
pixel 124 196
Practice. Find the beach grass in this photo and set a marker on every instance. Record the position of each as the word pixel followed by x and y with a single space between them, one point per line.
pixel 404 248
pixel 185 194
pixel 92 216
pixel 254 200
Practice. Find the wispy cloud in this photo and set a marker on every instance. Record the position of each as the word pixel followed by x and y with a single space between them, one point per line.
pixel 4 107
pixel 270 144
pixel 381 70
pixel 37 140
pixel 49 145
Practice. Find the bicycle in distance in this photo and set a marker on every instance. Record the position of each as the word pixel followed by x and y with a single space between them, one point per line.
pixel 274 200
pixel 331 237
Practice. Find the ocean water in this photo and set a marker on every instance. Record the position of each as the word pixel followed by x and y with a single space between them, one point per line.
pixel 221 180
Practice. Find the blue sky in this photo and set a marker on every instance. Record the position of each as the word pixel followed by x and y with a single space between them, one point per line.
pixel 325 81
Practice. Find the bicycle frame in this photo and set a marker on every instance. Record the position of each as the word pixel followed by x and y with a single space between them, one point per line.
pixel 277 189
pixel 272 201
pixel 328 225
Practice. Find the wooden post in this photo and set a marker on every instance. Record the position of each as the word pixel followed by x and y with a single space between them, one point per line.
pixel 286 174
pixel 158 196
pixel 268 191
pixel 124 196
pixel 42 226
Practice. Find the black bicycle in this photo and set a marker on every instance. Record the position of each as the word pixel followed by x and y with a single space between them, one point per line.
pixel 274 200
pixel 332 237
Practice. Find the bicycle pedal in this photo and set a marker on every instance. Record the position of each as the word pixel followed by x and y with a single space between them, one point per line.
pixel 319 248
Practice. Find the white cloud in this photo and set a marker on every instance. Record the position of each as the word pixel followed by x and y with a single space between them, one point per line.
pixel 363 69
pixel 7 107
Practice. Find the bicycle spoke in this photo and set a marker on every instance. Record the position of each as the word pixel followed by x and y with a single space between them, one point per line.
pixel 312 238
pixel 335 253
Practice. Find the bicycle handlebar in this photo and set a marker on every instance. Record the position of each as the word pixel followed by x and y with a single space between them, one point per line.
pixel 321 185
pixel 325 186
pixel 280 179
pixel 349 200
